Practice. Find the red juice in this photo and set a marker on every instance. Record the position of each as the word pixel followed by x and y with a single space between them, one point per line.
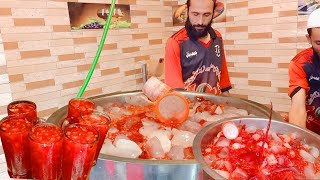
pixel 78 106
pixel 100 121
pixel 46 151
pixel 80 145
pixel 14 138
pixel 25 109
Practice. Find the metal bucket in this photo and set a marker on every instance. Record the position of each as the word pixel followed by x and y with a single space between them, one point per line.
pixel 118 168
pixel 207 133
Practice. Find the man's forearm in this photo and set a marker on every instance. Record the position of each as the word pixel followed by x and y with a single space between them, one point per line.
pixel 298 118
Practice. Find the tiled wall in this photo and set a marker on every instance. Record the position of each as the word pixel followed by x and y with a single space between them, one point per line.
pixel 261 38
pixel 5 91
pixel 46 61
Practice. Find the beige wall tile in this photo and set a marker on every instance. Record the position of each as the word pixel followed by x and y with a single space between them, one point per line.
pixel 35 53
pixel 154 20
pixel 16 77
pixel 29 22
pixel 127 2
pixel 130 49
pixel 10 45
pixel 72 84
pixel 261 10
pixel 237 5
pixel 110 46
pixel 110 71
pixel 85 40
pixel 237 29
pixel 40 84
pixel 25 4
pixel 155 41
pixel 61 28
pixel 140 36
pixel 260 59
pixel 265 35
pixel 61 42
pixel 26 37
pixel 5 11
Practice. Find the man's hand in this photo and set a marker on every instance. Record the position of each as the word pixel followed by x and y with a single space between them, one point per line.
pixel 298 114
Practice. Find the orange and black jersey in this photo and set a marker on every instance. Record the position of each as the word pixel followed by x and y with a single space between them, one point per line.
pixel 304 72
pixel 196 66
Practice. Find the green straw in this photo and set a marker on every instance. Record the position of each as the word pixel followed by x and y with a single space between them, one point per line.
pixel 96 58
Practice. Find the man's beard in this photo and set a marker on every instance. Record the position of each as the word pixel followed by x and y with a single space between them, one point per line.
pixel 316 52
pixel 195 34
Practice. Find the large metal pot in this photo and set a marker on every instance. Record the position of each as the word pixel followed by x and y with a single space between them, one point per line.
pixel 207 133
pixel 118 168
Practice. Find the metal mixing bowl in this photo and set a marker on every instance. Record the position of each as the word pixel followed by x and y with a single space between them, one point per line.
pixel 209 132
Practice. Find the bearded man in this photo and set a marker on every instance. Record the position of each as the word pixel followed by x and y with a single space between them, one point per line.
pixel 195 58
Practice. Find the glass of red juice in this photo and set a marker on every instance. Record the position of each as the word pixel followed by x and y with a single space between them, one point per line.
pixel 78 106
pixel 14 137
pixel 24 108
pixel 100 121
pixel 46 151
pixel 80 145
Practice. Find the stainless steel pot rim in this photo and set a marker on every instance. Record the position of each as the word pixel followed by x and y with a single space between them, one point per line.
pixel 148 161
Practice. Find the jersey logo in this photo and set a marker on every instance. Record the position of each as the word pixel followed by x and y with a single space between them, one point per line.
pixel 201 70
pixel 313 96
pixel 217 50
pixel 191 54
pixel 314 78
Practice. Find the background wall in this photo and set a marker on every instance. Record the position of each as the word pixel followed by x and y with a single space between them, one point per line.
pixel 46 62
pixel 5 90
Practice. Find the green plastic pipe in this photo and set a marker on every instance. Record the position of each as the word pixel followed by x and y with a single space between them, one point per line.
pixel 96 58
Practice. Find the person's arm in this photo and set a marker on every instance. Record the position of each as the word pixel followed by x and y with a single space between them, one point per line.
pixel 172 65
pixel 298 88
pixel 298 114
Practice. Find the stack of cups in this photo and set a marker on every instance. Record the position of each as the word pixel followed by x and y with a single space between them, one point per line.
pixel 14 128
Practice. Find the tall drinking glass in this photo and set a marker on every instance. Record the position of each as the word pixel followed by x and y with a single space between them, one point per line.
pixel 100 121
pixel 24 108
pixel 46 151
pixel 78 106
pixel 14 138
pixel 80 145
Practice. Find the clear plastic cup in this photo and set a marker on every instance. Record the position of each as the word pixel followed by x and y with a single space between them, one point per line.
pixel 100 121
pixel 24 108
pixel 78 106
pixel 80 145
pixel 46 151
pixel 14 138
